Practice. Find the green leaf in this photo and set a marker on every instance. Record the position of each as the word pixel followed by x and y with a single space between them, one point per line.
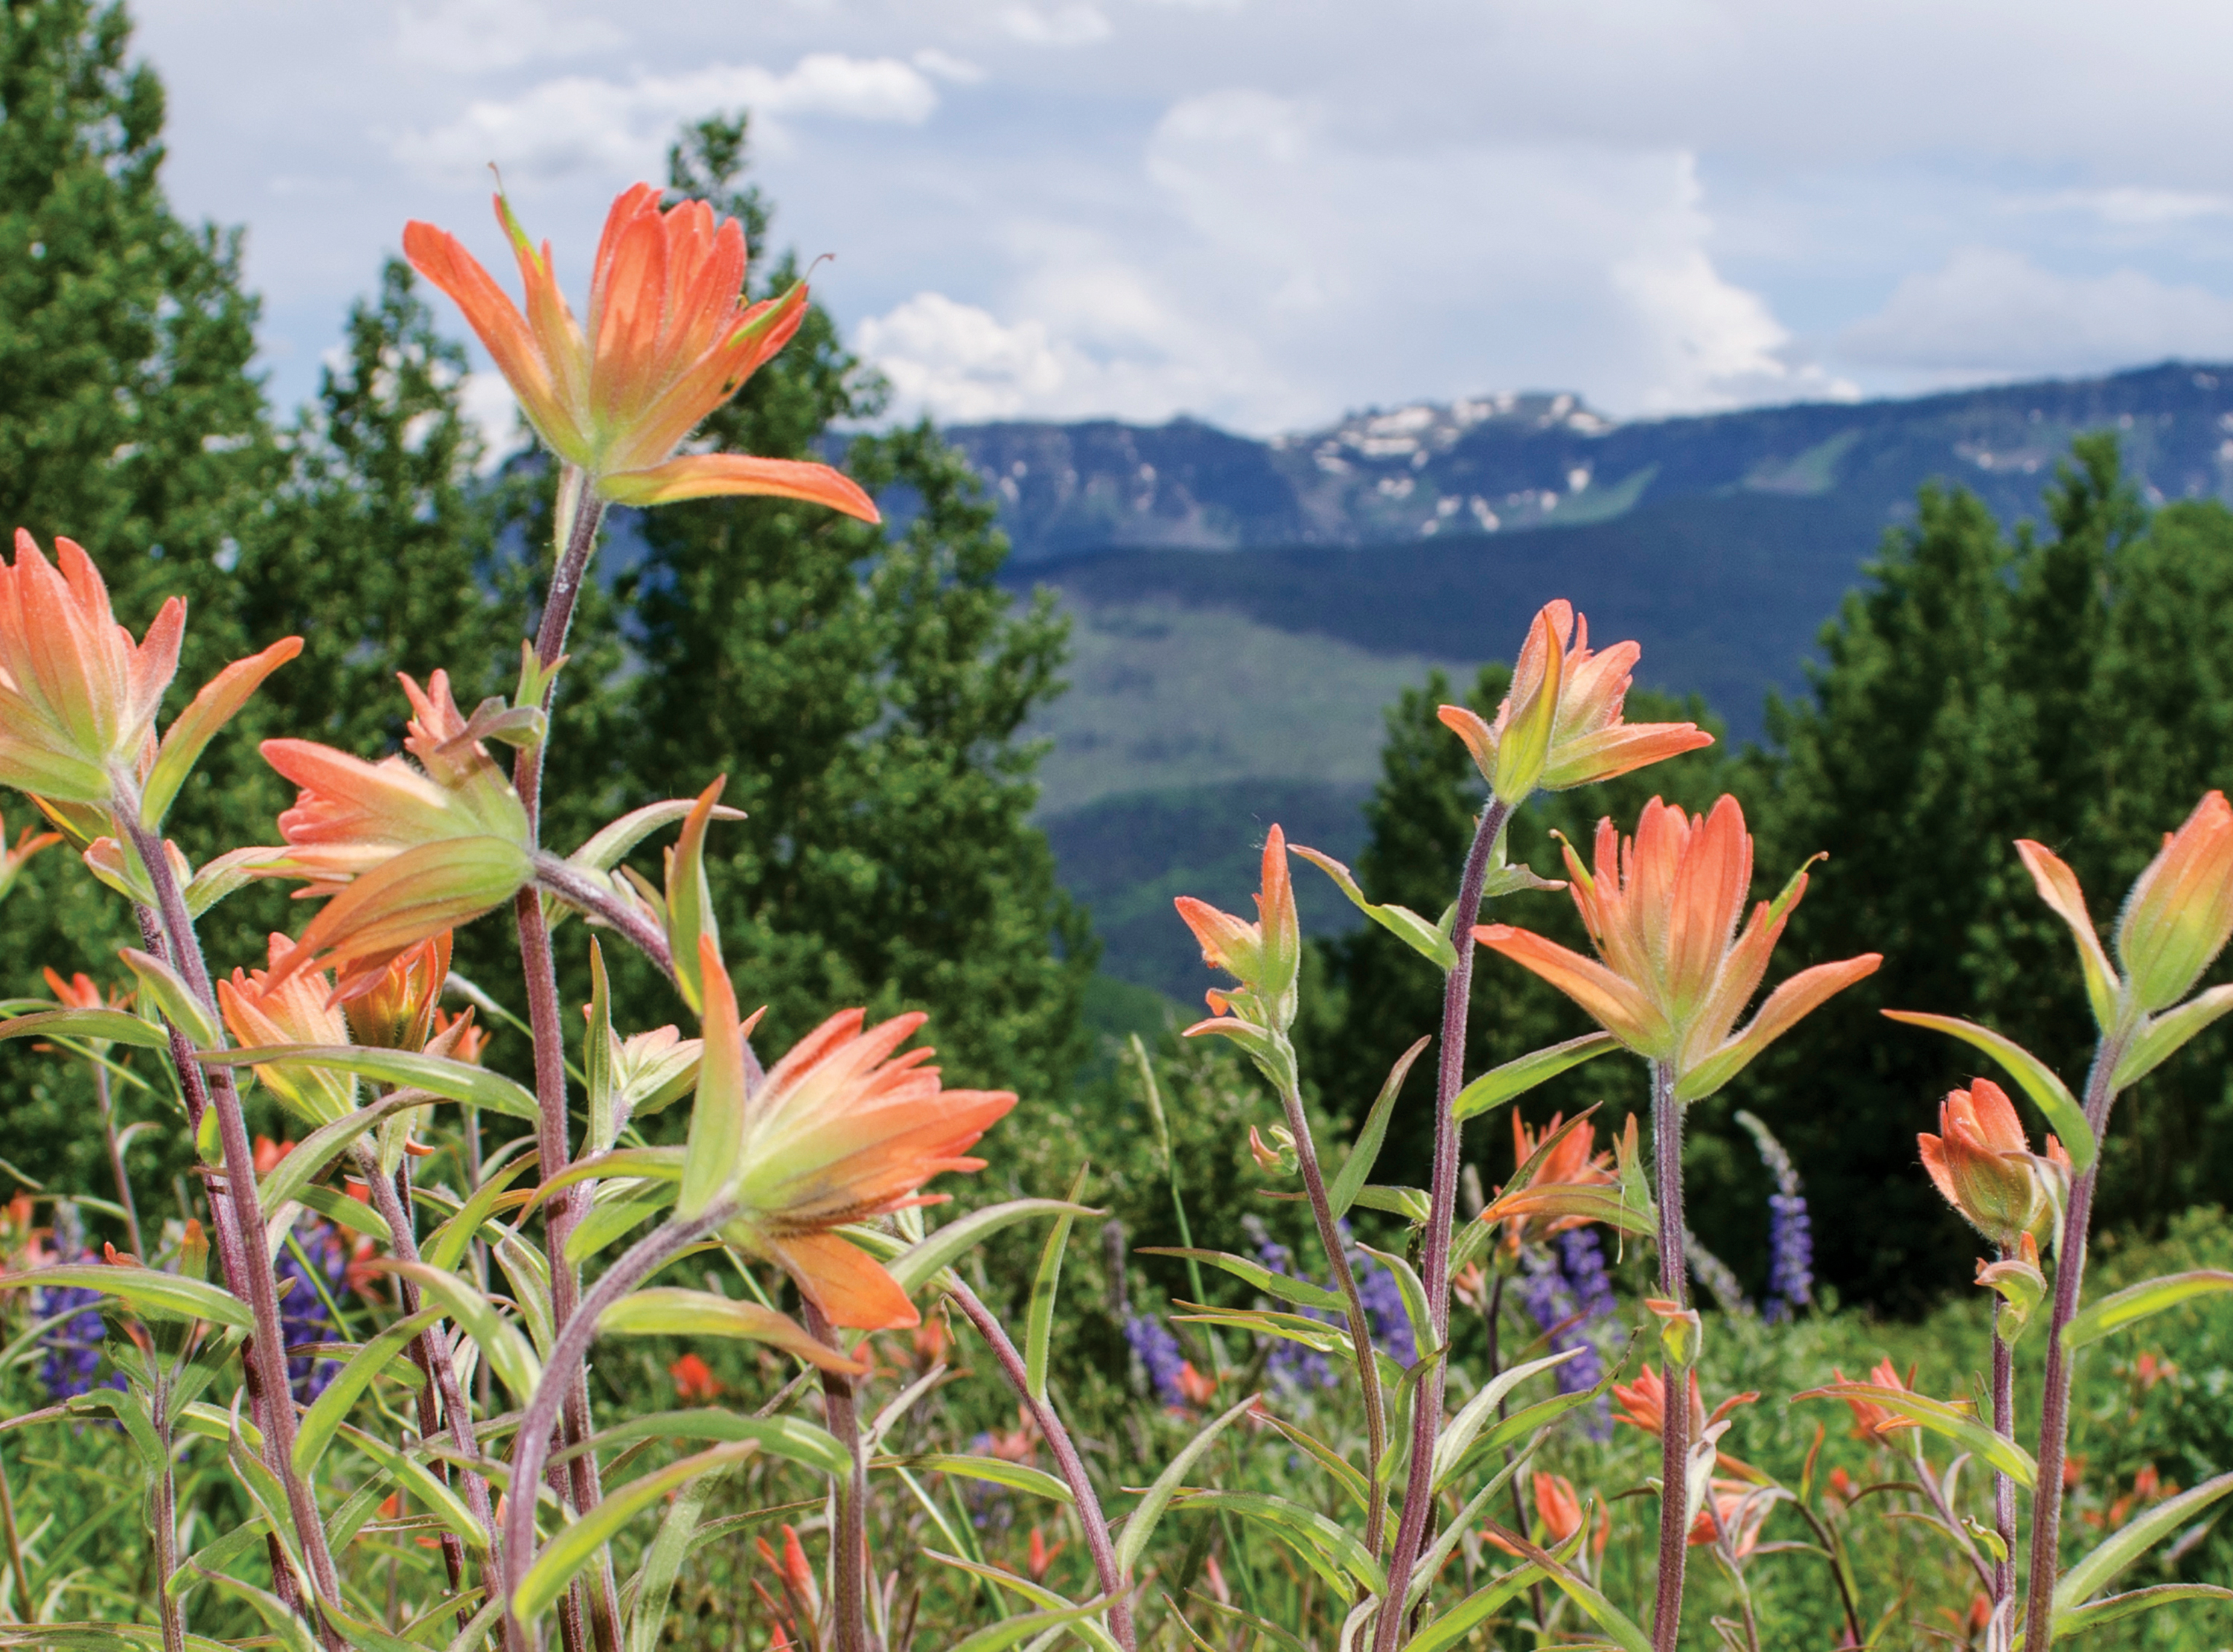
pixel 672 1311
pixel 421 1482
pixel 2134 1303
pixel 2161 1036
pixel 598 1059
pixel 508 1352
pixel 148 1290
pixel 1356 1168
pixel 573 1547
pixel 1501 1084
pixel 167 991
pixel 190 733
pixel 322 1145
pixel 1285 1286
pixel 1011 1630
pixel 1038 1325
pixel 1455 1626
pixel 1414 1296
pixel 2034 1075
pixel 1606 1616
pixel 1038 1593
pixel 231 872
pixel 1140 1525
pixel 611 1218
pixel 793 1438
pixel 662 1562
pixel 941 1246
pixel 1413 1205
pixel 1018 1477
pixel 328 1410
pixel 1460 1431
pixel 455 1081
pixel 100 1637
pixel 2131 1540
pixel 1327 1548
pixel 117 1026
pixel 690 898
pixel 1940 1418
pixel 448 1244
pixel 1402 922
pixel 2094 1613
pixel 612 843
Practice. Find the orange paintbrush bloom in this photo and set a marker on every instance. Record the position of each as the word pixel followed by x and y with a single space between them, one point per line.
pixel 1570 1164
pixel 288 1004
pixel 1983 1166
pixel 1662 910
pixel 405 853
pixel 842 1129
pixel 1557 1507
pixel 1265 957
pixel 1872 1421
pixel 1561 724
pixel 694 1381
pixel 398 1013
pixel 669 340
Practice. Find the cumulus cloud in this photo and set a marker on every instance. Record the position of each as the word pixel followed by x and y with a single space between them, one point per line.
pixel 469 36
pixel 1074 23
pixel 586 123
pixel 2133 207
pixel 1989 311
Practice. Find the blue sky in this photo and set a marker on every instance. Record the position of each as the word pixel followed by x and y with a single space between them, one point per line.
pixel 1267 212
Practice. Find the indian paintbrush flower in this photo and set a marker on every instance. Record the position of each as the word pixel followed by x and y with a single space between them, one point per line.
pixel 289 1004
pixel 842 1129
pixel 669 339
pixel 1264 956
pixel 398 1012
pixel 1662 908
pixel 1557 1507
pixel 405 853
pixel 1570 1163
pixel 1873 1420
pixel 2179 913
pixel 1985 1168
pixel 1560 725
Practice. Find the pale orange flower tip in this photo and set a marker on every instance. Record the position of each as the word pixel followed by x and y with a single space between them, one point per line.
pixel 670 338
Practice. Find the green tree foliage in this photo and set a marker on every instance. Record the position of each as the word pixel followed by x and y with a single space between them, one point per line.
pixel 864 691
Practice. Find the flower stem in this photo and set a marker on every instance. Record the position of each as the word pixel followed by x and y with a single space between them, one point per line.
pixel 2002 1635
pixel 268 1348
pixel 569 1346
pixel 1089 1517
pixel 116 1161
pixel 1675 1427
pixel 25 1611
pixel 850 1541
pixel 584 893
pixel 2054 1407
pixel 1360 1323
pixel 1435 1261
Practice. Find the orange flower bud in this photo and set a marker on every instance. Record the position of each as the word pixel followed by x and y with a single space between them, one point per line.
pixel 1265 957
pixel 398 1012
pixel 1558 1508
pixel 1981 1164
pixel 2179 913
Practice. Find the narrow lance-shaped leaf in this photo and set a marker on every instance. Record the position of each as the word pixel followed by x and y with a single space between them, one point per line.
pixel 1402 922
pixel 1139 1525
pixel 612 843
pixel 2035 1077
pixel 1038 1325
pixel 672 1311
pixel 995 1637
pixel 1607 1616
pixel 1285 1286
pixel 1017 1477
pixel 913 1266
pixel 1515 1078
pixel 2162 1037
pixel 690 899
pixel 2131 1540
pixel 220 701
pixel 1460 1431
pixel 286 1180
pixel 1356 1168
pixel 793 1438
pixel 712 1163
pixel 1039 1595
pixel 508 1353
pixel 147 1290
pixel 1940 1418
pixel 1329 1550
pixel 2094 1613
pixel 422 1483
pixel 577 1544
pixel 2135 1303
pixel 117 1026
pixel 455 1081
pixel 331 1409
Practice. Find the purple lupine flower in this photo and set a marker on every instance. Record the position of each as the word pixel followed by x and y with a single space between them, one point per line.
pixel 1581 1258
pixel 1157 1350
pixel 73 1345
pixel 1565 1297
pixel 303 1317
pixel 1790 1231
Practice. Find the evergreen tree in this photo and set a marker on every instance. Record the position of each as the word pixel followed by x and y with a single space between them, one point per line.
pixel 863 694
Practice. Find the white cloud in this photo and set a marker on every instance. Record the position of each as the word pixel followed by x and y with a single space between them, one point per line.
pixel 1074 23
pixel 1991 311
pixel 582 123
pixel 945 66
pixel 467 37
pixel 959 360
pixel 2133 207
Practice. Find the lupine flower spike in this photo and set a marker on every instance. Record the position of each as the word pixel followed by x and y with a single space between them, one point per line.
pixel 669 340
pixel 842 1129
pixel 1560 725
pixel 1662 908
pixel 405 853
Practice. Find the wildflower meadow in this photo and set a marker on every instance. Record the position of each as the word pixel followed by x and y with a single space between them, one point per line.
pixel 467 1264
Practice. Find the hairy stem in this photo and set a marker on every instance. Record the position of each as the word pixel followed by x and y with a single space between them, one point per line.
pixel 1947 1517
pixel 2054 1407
pixel 1675 1427
pixel 1435 1261
pixel 586 895
pixel 1072 1467
pixel 268 1348
pixel 24 1610
pixel 850 1542
pixel 1360 1323
pixel 569 1347
pixel 2001 1636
